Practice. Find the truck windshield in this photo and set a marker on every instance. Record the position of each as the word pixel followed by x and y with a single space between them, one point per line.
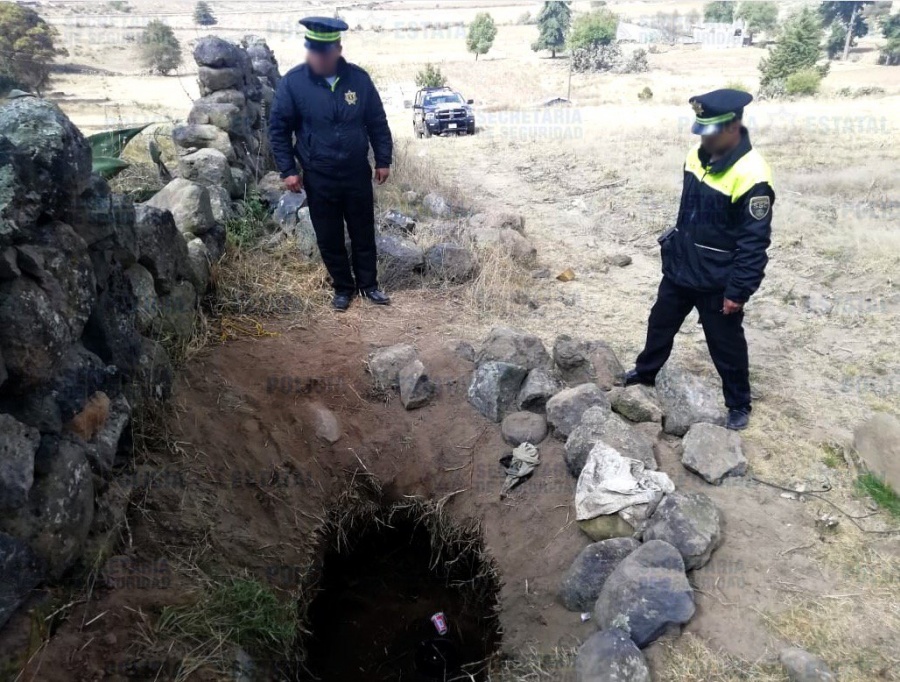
pixel 443 98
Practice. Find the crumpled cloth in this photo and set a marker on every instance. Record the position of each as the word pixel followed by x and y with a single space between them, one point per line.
pixel 524 460
pixel 611 482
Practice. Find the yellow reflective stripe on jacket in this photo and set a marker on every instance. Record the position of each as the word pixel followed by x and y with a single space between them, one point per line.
pixel 748 171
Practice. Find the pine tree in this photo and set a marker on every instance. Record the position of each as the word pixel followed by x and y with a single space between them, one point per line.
pixel 203 15
pixel 848 21
pixel 553 23
pixel 797 48
pixel 481 35
pixel 27 48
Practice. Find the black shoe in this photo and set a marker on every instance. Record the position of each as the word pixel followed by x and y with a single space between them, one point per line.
pixel 341 302
pixel 738 420
pixel 377 296
pixel 632 378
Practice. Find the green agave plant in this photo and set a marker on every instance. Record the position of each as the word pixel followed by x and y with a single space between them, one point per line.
pixel 106 147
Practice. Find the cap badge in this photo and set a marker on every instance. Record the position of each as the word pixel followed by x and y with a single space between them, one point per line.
pixel 698 108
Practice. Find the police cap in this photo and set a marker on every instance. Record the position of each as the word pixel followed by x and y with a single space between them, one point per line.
pixel 716 109
pixel 323 33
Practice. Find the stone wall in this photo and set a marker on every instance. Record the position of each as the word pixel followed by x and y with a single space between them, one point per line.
pixel 74 357
pixel 90 284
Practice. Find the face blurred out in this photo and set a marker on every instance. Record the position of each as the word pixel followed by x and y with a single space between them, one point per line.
pixel 324 63
pixel 723 141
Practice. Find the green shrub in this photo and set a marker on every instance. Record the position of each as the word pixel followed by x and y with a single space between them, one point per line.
pixel 737 85
pixel 646 94
pixel 430 77
pixel 594 29
pixel 160 49
pixel 805 82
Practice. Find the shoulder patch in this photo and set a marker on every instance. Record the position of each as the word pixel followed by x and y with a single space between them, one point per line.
pixel 759 207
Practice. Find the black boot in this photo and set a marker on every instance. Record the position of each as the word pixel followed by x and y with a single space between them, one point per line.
pixel 341 302
pixel 738 419
pixel 632 378
pixel 377 296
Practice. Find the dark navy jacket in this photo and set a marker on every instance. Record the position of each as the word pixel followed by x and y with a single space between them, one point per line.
pixel 724 225
pixel 328 130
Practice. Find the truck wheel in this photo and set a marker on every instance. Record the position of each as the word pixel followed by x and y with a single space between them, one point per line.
pixel 471 131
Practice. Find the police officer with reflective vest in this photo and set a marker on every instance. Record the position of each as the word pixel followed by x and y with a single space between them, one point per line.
pixel 714 259
pixel 326 113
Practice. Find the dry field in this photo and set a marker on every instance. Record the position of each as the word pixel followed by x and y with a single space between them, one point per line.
pixel 602 177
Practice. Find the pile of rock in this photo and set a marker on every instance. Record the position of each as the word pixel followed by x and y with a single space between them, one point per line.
pixel 86 281
pixel 399 368
pixel 633 577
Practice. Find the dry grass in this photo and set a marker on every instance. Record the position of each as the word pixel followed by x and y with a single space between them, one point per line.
pixel 691 660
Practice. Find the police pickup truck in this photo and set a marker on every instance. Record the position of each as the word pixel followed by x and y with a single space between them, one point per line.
pixel 442 111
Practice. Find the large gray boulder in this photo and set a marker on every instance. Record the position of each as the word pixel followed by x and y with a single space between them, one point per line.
pixel 46 164
pixel 188 202
pixel 208 167
pixel 222 114
pixel 111 331
pixel 494 387
pixel 60 508
pixel 105 221
pixel 147 310
pixel 636 404
pixel 58 258
pixel 539 386
pixel 610 656
pixel 416 388
pixel 178 312
pixel 877 442
pixel 199 261
pixel 18 445
pixel 400 259
pixel 194 136
pixel 713 453
pixel 690 523
pixel 507 241
pixel 217 52
pixel 802 666
pixel 581 361
pixel 154 375
pixel 451 262
pixel 385 364
pixel 599 423
pixel 566 409
pixel 33 334
pixel 523 427
pixel 647 594
pixel 514 347
pixel 21 570
pixel 163 250
pixel 583 581
pixel 686 399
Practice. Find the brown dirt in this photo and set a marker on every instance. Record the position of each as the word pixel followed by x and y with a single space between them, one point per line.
pixel 254 483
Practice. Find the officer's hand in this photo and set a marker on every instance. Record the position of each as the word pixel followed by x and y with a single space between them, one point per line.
pixel 294 183
pixel 730 307
pixel 381 175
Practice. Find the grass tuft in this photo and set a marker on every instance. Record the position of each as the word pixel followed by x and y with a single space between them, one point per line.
pixel 881 492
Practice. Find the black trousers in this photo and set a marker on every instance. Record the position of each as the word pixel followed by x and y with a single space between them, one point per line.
pixel 724 338
pixel 334 201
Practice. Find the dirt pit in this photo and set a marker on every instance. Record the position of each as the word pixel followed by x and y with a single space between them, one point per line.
pixel 386 571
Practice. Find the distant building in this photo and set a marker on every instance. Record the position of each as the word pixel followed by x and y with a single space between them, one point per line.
pixel 643 35
pixel 717 36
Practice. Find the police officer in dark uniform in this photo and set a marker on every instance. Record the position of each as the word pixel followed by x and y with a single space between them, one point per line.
pixel 714 259
pixel 326 113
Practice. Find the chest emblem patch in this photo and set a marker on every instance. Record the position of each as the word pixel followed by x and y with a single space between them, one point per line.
pixel 350 97
pixel 759 207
